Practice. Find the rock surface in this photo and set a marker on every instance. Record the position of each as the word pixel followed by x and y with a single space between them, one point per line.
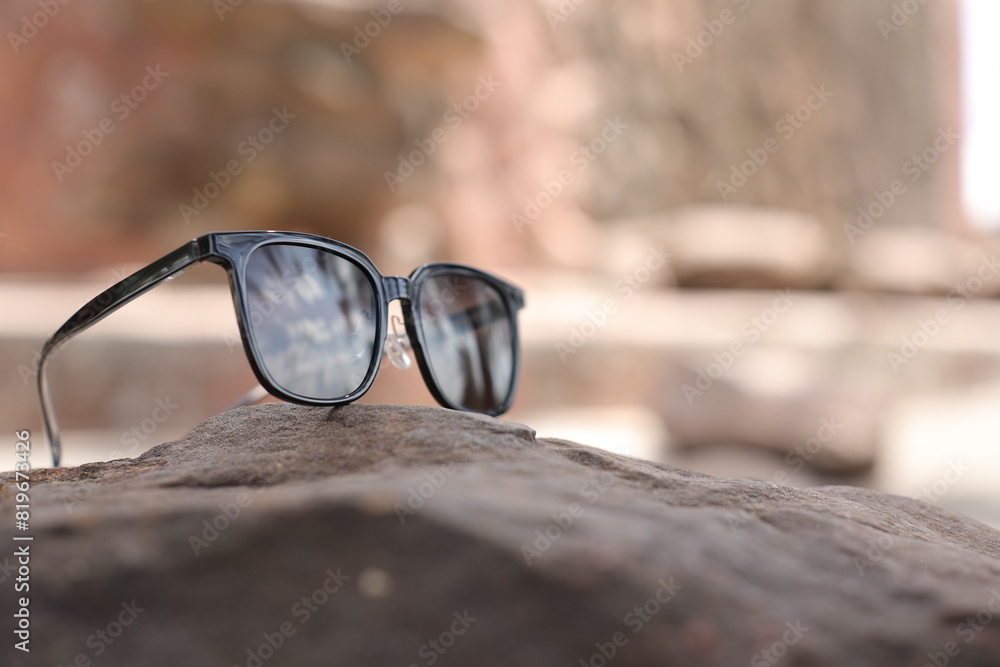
pixel 317 552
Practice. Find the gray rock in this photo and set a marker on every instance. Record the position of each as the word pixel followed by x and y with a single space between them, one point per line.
pixel 316 550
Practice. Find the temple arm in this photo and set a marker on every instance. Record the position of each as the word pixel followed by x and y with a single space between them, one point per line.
pixel 96 310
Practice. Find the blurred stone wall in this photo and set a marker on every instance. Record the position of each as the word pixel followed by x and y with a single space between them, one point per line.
pixel 255 119
pixel 837 105
pixel 508 133
pixel 813 107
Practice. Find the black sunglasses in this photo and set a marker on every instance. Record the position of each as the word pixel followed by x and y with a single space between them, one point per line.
pixel 313 318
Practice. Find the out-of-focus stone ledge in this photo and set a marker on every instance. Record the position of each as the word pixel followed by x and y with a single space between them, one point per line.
pixel 559 304
pixel 726 247
pixel 712 319
pixel 170 313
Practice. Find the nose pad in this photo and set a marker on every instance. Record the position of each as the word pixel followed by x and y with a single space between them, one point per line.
pixel 396 345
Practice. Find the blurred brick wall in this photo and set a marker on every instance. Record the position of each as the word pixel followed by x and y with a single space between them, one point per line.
pixel 561 73
pixel 170 142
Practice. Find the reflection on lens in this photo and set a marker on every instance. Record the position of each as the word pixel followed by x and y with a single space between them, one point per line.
pixel 313 317
pixel 468 340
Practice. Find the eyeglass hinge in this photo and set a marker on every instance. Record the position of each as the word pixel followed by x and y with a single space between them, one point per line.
pixel 203 246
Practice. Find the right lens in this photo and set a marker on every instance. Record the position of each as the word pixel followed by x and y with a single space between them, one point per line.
pixel 314 318
pixel 468 340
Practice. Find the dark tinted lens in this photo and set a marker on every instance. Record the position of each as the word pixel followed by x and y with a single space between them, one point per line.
pixel 313 316
pixel 468 340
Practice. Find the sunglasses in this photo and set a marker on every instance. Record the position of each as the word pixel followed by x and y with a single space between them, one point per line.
pixel 313 317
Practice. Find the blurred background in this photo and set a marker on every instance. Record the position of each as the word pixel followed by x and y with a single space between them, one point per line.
pixel 757 238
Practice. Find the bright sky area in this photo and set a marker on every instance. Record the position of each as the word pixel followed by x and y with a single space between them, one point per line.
pixel 981 74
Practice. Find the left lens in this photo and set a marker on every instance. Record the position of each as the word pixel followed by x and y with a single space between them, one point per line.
pixel 313 317
pixel 468 340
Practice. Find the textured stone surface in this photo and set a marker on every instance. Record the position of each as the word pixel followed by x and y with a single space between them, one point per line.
pixel 866 578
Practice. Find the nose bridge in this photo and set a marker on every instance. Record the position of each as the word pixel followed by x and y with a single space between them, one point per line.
pixel 396 287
